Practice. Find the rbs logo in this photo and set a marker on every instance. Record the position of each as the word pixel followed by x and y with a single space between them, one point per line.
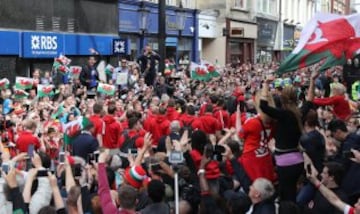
pixel 44 42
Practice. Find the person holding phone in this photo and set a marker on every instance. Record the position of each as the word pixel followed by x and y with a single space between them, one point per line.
pixel 331 196
pixel 348 141
pixel 331 177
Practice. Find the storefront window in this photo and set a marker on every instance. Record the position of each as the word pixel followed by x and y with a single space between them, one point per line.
pixel 184 48
pixel 235 52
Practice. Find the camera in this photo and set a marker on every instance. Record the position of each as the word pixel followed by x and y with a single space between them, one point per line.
pixel 176 157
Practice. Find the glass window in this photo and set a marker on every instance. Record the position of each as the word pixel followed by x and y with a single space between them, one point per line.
pixel 240 4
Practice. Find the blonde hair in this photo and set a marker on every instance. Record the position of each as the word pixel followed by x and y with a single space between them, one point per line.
pixel 340 88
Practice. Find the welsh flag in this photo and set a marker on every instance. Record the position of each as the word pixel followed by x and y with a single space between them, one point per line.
pixel 106 89
pixel 20 94
pixel 169 67
pixel 4 83
pixel 212 69
pixel 199 72
pixel 73 128
pixel 329 38
pixel 61 64
pixel 58 113
pixel 45 90
pixel 109 69
pixel 75 71
pixel 24 83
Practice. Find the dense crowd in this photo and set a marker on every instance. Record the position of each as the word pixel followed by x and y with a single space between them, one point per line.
pixel 248 141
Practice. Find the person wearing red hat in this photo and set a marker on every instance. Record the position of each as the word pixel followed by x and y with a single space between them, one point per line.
pixel 128 195
pixel 135 176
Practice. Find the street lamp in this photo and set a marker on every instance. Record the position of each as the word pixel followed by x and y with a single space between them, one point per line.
pixel 143 22
pixel 180 18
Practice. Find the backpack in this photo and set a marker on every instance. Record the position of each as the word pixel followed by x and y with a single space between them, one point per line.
pixel 129 142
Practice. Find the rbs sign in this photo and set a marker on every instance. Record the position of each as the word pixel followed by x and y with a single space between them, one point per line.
pixel 42 45
pixel 43 42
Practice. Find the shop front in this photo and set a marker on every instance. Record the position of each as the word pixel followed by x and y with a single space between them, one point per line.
pixel 240 41
pixel 33 49
pixel 288 40
pixel 266 35
pixel 179 44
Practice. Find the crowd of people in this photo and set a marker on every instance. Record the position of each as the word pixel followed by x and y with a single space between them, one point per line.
pixel 248 141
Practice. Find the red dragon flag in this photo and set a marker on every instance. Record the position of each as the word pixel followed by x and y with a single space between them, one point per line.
pixel 4 83
pixel 106 89
pixel 75 71
pixel 24 83
pixel 329 38
pixel 45 90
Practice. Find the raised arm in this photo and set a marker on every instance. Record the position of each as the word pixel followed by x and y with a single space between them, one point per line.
pixel 264 105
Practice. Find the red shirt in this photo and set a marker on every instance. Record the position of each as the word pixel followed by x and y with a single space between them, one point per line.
pixel 160 126
pixel 210 123
pixel 341 106
pixel 191 120
pixel 98 124
pixel 223 117
pixel 25 139
pixel 172 114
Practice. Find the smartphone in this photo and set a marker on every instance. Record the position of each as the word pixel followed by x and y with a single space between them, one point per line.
pixel 77 170
pixel 96 156
pixel 308 168
pixel 52 167
pixel 31 151
pixel 42 173
pixel 5 168
pixel 348 154
pixel 90 158
pixel 28 164
pixel 133 151
pixel 62 157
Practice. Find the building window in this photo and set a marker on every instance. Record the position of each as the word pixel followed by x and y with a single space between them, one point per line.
pixel 241 4
pixel 267 6
pixel 171 2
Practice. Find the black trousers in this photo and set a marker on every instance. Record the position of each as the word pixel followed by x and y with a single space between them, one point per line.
pixel 288 177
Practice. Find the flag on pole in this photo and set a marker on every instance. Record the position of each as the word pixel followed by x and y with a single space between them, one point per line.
pixel 23 83
pixel 45 90
pixel 4 83
pixel 106 89
pixel 327 37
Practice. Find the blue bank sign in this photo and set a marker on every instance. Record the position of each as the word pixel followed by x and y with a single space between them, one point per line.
pixel 38 45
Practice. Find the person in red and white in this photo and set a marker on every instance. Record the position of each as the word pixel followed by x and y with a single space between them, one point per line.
pixel 256 158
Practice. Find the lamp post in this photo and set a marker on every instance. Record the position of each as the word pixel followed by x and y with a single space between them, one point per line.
pixel 143 22
pixel 162 35
pixel 180 18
